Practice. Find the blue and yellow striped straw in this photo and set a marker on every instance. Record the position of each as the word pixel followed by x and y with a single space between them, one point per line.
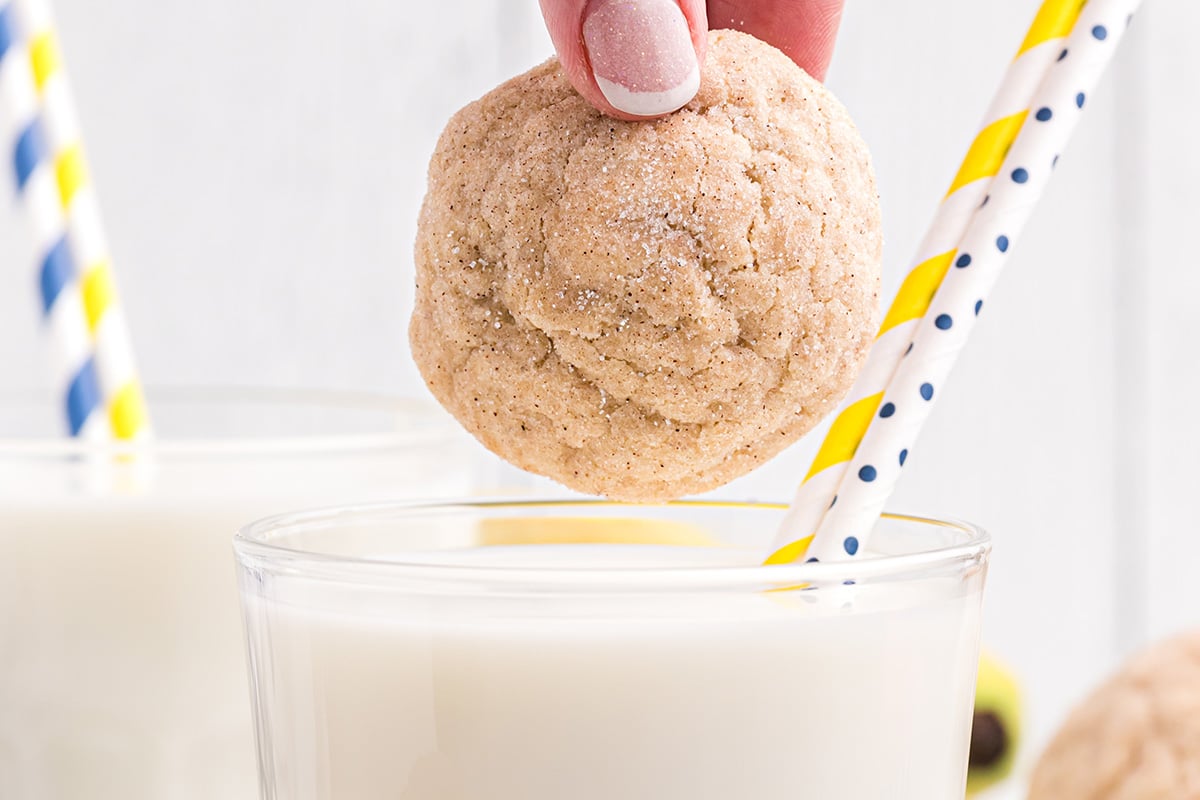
pixel 947 314
pixel 1003 121
pixel 101 393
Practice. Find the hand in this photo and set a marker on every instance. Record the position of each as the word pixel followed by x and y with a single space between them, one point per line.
pixel 636 59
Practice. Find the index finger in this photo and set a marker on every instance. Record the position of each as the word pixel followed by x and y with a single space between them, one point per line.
pixel 803 29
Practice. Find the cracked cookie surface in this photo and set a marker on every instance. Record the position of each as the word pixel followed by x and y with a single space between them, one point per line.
pixel 648 310
pixel 1137 737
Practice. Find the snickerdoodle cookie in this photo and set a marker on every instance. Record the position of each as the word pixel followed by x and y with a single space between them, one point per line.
pixel 646 310
pixel 1137 737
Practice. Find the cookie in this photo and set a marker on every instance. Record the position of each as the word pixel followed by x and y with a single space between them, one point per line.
pixel 646 310
pixel 1137 737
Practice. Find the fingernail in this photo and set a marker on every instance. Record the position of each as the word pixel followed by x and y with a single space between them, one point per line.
pixel 641 54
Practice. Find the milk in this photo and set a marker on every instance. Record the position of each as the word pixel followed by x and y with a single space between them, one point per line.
pixel 122 656
pixel 122 672
pixel 846 692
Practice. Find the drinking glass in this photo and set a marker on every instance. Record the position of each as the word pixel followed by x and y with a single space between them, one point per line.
pixel 122 667
pixel 587 650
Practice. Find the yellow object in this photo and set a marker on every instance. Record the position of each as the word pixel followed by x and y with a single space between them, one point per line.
pixel 789 553
pixel 918 289
pixel 71 172
pixel 996 732
pixel 591 530
pixel 1053 21
pixel 845 434
pixel 985 155
pixel 127 412
pixel 115 379
pixel 44 58
pixel 99 294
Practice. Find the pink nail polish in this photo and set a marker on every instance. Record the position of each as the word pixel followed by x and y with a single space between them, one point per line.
pixel 641 54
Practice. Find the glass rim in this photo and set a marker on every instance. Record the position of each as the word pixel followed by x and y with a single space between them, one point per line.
pixel 253 541
pixel 433 427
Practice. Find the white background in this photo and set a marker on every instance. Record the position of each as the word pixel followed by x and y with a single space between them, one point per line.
pixel 260 165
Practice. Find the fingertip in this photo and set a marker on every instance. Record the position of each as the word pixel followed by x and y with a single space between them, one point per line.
pixel 631 59
pixel 813 50
pixel 696 13
pixel 805 30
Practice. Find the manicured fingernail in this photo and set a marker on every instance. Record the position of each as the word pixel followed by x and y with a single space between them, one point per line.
pixel 642 55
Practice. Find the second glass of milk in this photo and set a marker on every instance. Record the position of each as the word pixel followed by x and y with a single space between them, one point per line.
pixel 122 663
pixel 584 650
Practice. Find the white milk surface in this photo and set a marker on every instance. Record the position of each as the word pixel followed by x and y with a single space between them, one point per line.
pixel 122 652
pixel 844 693
pixel 122 665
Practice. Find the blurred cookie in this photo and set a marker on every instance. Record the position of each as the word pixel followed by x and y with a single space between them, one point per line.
pixel 1137 737
pixel 646 310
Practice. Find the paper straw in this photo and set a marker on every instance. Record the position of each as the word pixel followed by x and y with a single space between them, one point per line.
pixel 1004 117
pixel 73 364
pixel 943 328
pixel 94 358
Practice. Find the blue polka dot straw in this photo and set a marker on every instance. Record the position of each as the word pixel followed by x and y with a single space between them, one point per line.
pixel 968 191
pixel 916 382
pixel 101 395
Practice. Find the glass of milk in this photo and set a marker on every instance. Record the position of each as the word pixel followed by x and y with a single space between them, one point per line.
pixel 122 662
pixel 592 651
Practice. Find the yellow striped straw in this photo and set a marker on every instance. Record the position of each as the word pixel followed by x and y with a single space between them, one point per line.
pixel 1004 119
pixel 83 267
pixel 983 251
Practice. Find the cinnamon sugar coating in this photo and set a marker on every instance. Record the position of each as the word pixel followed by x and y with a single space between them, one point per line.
pixel 648 310
pixel 1136 737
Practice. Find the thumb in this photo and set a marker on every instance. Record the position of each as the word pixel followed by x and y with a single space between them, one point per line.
pixel 631 59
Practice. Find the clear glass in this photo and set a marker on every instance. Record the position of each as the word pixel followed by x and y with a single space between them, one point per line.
pixel 122 666
pixel 593 651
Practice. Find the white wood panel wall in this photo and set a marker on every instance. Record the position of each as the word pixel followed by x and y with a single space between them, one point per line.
pixel 260 166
